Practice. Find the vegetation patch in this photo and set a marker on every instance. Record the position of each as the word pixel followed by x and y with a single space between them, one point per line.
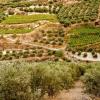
pixel 33 80
pixel 19 19
pixel 14 30
pixel 85 29
pixel 84 36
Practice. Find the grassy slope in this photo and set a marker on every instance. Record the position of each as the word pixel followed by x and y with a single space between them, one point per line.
pixel 18 19
pixel 85 29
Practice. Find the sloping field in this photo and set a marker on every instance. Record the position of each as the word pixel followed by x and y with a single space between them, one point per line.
pixel 19 19
pixel 84 37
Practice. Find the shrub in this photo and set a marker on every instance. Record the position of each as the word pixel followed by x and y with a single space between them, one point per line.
pixel 85 55
pixel 79 53
pixel 11 12
pixel 90 50
pixel 92 80
pixel 95 55
pixel 93 52
pixel 59 53
pixel 73 52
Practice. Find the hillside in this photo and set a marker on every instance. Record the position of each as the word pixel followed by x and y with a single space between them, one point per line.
pixel 49 49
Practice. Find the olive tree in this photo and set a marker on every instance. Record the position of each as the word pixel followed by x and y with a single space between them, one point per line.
pixel 15 82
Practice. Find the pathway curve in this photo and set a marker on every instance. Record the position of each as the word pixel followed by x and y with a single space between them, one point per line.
pixel 36 45
pixel 76 93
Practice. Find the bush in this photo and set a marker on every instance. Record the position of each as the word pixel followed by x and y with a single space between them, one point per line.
pixel 95 55
pixel 92 80
pixel 85 55
pixel 59 53
pixel 79 53
pixel 73 52
pixel 28 10
pixel 41 10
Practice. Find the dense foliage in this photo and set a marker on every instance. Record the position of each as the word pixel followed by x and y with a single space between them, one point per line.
pixel 80 12
pixel 31 81
pixel 22 80
pixel 92 79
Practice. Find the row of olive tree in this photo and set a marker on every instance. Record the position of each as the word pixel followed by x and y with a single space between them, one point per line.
pixel 85 11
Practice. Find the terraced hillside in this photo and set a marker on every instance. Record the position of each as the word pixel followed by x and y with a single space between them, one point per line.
pixel 49 49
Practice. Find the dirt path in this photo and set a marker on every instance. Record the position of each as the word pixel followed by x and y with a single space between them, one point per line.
pixel 76 93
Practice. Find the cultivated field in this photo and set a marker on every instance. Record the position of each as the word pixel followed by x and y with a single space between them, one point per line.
pixel 19 19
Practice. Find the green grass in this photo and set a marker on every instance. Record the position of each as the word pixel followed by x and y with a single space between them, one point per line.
pixel 84 35
pixel 86 29
pixel 15 31
pixel 19 19
pixel 83 39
